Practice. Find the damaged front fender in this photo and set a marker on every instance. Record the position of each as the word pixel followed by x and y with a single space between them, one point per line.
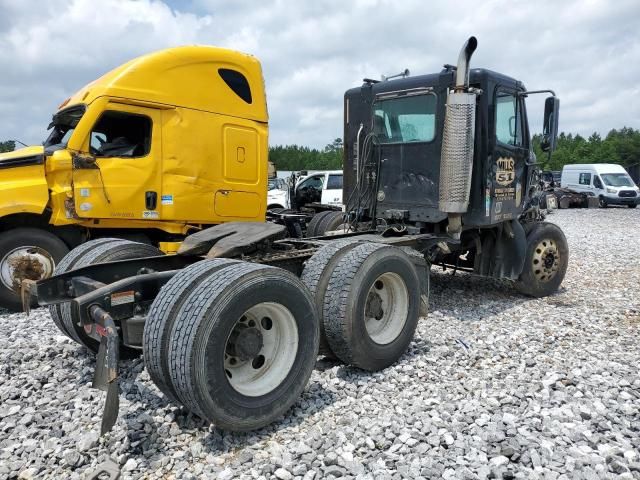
pixel 23 183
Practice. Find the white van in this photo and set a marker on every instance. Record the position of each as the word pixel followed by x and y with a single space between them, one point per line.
pixel 609 182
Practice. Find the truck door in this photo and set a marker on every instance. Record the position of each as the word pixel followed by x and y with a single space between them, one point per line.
pixel 309 190
pixel 509 158
pixel 332 191
pixel 121 178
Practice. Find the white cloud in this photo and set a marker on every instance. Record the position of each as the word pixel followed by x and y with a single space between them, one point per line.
pixel 312 52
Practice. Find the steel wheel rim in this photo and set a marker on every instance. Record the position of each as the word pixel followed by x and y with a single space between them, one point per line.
pixel 35 262
pixel 267 367
pixel 386 308
pixel 546 260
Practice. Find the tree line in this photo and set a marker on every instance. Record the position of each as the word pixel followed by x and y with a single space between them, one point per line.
pixel 8 146
pixel 297 157
pixel 618 146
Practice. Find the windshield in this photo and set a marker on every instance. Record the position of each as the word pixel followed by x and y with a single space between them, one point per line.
pixel 405 119
pixel 617 180
pixel 62 126
pixel 275 183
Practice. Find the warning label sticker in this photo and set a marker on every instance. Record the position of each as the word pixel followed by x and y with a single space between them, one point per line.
pixel 121 298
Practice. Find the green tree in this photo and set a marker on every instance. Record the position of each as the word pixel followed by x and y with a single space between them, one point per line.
pixel 296 157
pixel 7 146
pixel 619 146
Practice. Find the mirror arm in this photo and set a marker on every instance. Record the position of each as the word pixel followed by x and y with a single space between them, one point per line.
pixel 532 92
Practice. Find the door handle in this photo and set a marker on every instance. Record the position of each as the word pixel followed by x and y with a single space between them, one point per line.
pixel 224 192
pixel 151 200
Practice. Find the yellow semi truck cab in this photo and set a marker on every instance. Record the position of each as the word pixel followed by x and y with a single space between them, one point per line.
pixel 161 146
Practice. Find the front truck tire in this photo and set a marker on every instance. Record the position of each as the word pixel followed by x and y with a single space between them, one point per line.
pixel 26 253
pixel 107 251
pixel 244 346
pixel 546 261
pixel 67 263
pixel 371 306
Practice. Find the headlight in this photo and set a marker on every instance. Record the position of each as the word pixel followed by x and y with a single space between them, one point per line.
pixel 611 190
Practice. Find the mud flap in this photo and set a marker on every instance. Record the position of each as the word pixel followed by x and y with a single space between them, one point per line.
pixel 510 251
pixel 503 255
pixel 106 374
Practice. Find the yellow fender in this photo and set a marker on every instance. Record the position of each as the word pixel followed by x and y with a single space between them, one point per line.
pixel 23 184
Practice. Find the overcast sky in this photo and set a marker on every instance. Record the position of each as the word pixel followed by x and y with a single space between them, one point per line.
pixel 311 52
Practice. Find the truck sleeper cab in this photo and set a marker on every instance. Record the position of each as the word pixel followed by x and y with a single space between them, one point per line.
pixel 153 150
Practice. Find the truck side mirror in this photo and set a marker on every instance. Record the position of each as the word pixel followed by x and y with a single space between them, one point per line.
pixel 550 124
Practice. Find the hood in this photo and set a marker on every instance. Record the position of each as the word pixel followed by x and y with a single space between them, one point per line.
pixel 23 156
pixel 25 152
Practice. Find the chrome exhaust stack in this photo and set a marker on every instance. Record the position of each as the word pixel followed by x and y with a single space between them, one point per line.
pixel 456 162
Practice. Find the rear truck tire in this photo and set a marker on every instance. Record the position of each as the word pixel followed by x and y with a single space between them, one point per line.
pixel 316 274
pixel 330 222
pixel 314 223
pixel 632 205
pixel 602 202
pixel 106 252
pixel 164 313
pixel 546 261
pixel 245 346
pixel 371 306
pixel 68 263
pixel 26 253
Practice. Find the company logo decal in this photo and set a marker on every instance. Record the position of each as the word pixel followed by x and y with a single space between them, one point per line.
pixel 505 171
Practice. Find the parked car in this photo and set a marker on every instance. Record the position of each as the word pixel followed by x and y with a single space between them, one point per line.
pixel 277 194
pixel 610 183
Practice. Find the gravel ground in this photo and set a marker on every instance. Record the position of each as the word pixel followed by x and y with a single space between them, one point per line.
pixel 495 385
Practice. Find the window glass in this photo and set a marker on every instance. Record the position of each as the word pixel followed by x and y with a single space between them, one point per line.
pixel 334 182
pixel 508 121
pixel 313 182
pixel 381 125
pixel 236 82
pixel 405 119
pixel 585 179
pixel 596 182
pixel 276 184
pixel 120 134
pixel 62 126
pixel 617 180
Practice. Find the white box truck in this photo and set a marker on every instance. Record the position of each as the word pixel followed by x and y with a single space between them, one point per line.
pixel 609 182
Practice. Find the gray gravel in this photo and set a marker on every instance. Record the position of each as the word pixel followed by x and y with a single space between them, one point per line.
pixel 495 385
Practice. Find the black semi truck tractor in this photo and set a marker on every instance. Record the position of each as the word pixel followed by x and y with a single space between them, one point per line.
pixel 439 170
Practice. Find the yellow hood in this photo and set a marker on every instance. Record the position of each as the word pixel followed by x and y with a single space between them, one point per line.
pixel 22 152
